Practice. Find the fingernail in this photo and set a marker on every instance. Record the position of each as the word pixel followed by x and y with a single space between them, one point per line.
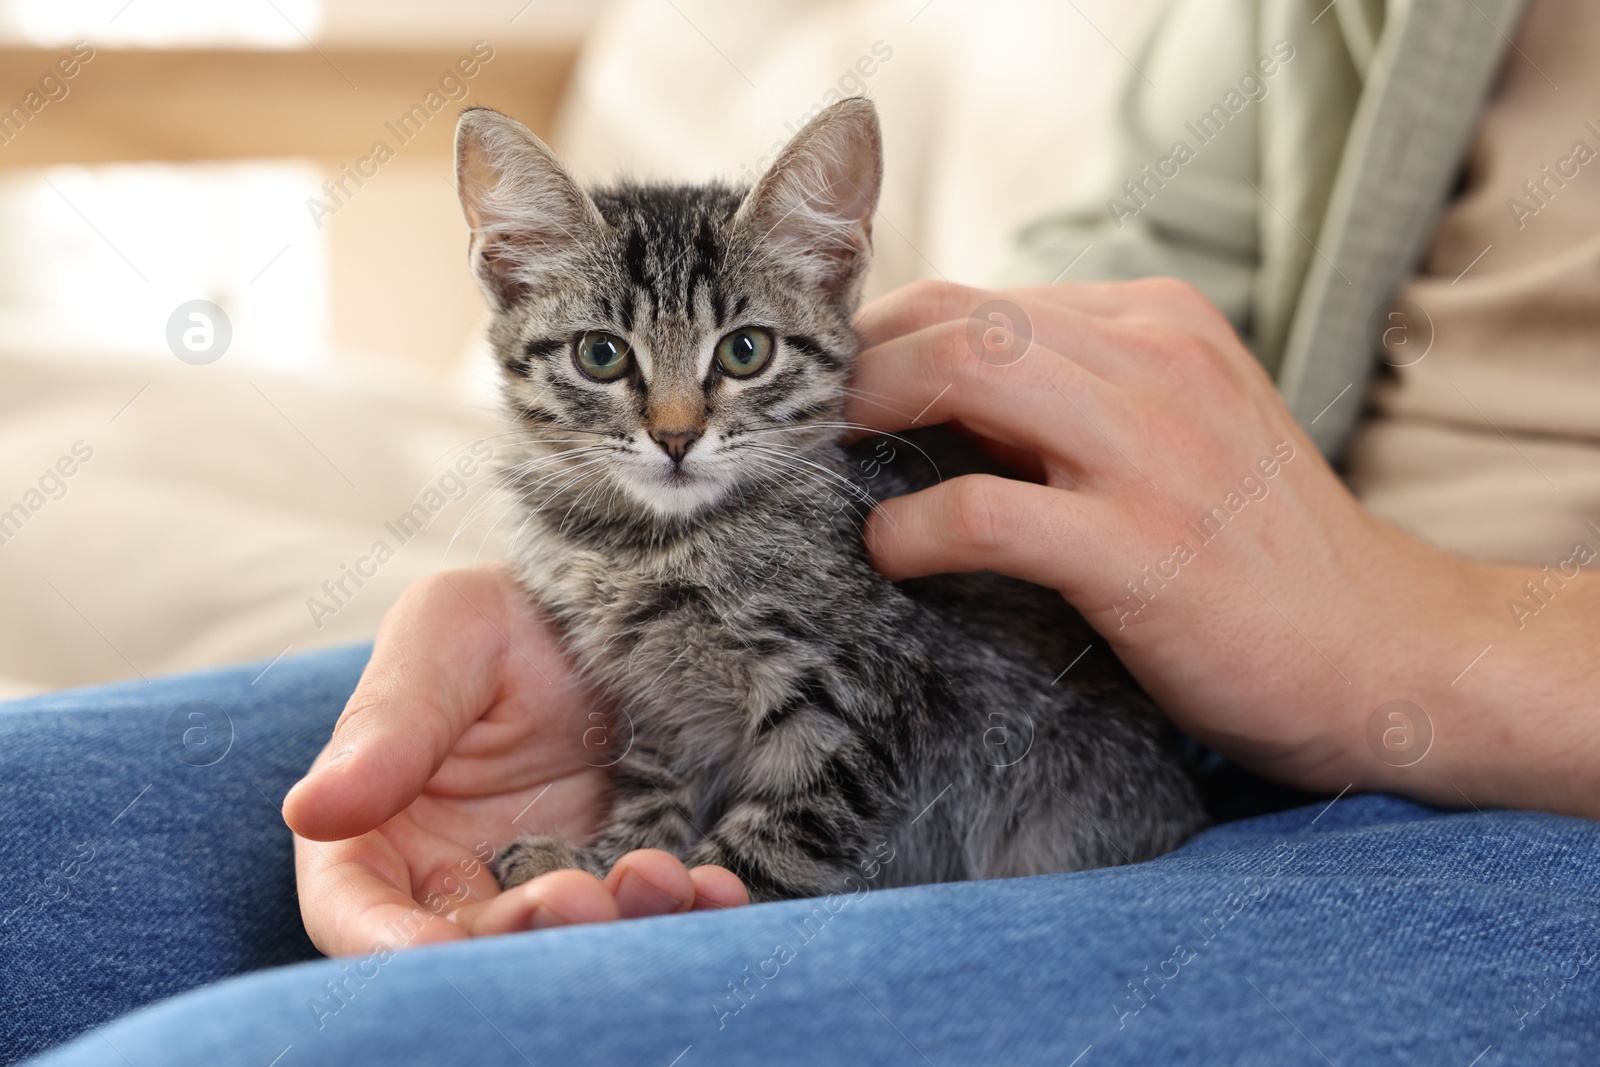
pixel 637 897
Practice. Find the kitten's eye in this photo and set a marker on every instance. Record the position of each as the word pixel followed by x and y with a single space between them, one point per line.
pixel 744 351
pixel 604 356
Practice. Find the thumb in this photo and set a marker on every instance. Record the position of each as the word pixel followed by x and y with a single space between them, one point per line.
pixel 981 522
pixel 436 668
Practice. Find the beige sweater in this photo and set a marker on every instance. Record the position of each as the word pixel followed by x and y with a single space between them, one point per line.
pixel 1489 444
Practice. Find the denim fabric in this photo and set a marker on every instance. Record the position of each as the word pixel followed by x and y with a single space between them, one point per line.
pixel 141 849
pixel 1370 930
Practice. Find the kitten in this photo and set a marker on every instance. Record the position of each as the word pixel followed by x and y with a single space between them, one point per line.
pixel 675 366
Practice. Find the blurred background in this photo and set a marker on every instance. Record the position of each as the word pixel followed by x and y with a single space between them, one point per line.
pixel 288 162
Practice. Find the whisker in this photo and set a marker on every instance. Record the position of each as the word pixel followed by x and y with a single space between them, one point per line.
pixel 851 426
pixel 854 497
pixel 875 399
pixel 858 494
pixel 511 474
pixel 524 495
pixel 583 472
pixel 564 518
pixel 854 487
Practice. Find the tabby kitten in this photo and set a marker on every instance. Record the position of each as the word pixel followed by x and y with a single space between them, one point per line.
pixel 675 365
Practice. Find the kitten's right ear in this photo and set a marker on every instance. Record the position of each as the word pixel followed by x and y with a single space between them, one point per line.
pixel 528 217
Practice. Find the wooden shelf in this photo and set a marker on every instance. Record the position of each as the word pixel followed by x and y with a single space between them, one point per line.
pixel 196 104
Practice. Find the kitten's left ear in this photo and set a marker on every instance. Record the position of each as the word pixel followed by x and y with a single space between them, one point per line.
pixel 813 207
pixel 529 219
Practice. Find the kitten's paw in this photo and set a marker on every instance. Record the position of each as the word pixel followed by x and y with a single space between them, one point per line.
pixel 528 857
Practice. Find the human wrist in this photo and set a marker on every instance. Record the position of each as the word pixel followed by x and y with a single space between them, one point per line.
pixel 1487 713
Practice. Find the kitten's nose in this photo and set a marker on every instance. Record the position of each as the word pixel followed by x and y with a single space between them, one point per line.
pixel 675 443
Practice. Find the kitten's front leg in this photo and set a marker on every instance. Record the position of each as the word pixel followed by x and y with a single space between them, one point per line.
pixel 800 830
pixel 649 806
pixel 783 850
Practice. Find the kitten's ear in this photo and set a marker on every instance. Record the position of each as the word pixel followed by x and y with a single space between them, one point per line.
pixel 529 219
pixel 813 207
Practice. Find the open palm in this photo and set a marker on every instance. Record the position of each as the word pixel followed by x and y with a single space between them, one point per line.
pixel 469 727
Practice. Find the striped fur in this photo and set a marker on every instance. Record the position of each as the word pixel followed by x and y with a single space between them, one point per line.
pixel 784 710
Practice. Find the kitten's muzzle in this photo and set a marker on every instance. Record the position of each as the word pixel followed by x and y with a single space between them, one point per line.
pixel 675 443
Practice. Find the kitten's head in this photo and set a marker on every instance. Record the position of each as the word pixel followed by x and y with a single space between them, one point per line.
pixel 663 346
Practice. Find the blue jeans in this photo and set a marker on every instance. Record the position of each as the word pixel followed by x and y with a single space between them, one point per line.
pixel 144 858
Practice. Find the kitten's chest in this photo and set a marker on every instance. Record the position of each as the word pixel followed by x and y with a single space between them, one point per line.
pixel 671 643
pixel 600 602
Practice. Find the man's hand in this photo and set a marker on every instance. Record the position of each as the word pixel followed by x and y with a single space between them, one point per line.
pixel 465 731
pixel 1165 490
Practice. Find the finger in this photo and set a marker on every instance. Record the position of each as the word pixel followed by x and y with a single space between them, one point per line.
pixel 1093 322
pixel 560 898
pixel 355 898
pixel 1168 301
pixel 649 882
pixel 1041 403
pixel 916 307
pixel 980 522
pixel 1138 298
pixel 438 664
pixel 717 887
pixel 922 304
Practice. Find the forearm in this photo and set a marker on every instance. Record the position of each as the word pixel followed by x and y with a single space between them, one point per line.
pixel 1510 695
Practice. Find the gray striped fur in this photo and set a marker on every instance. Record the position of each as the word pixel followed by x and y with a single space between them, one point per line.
pixel 785 710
